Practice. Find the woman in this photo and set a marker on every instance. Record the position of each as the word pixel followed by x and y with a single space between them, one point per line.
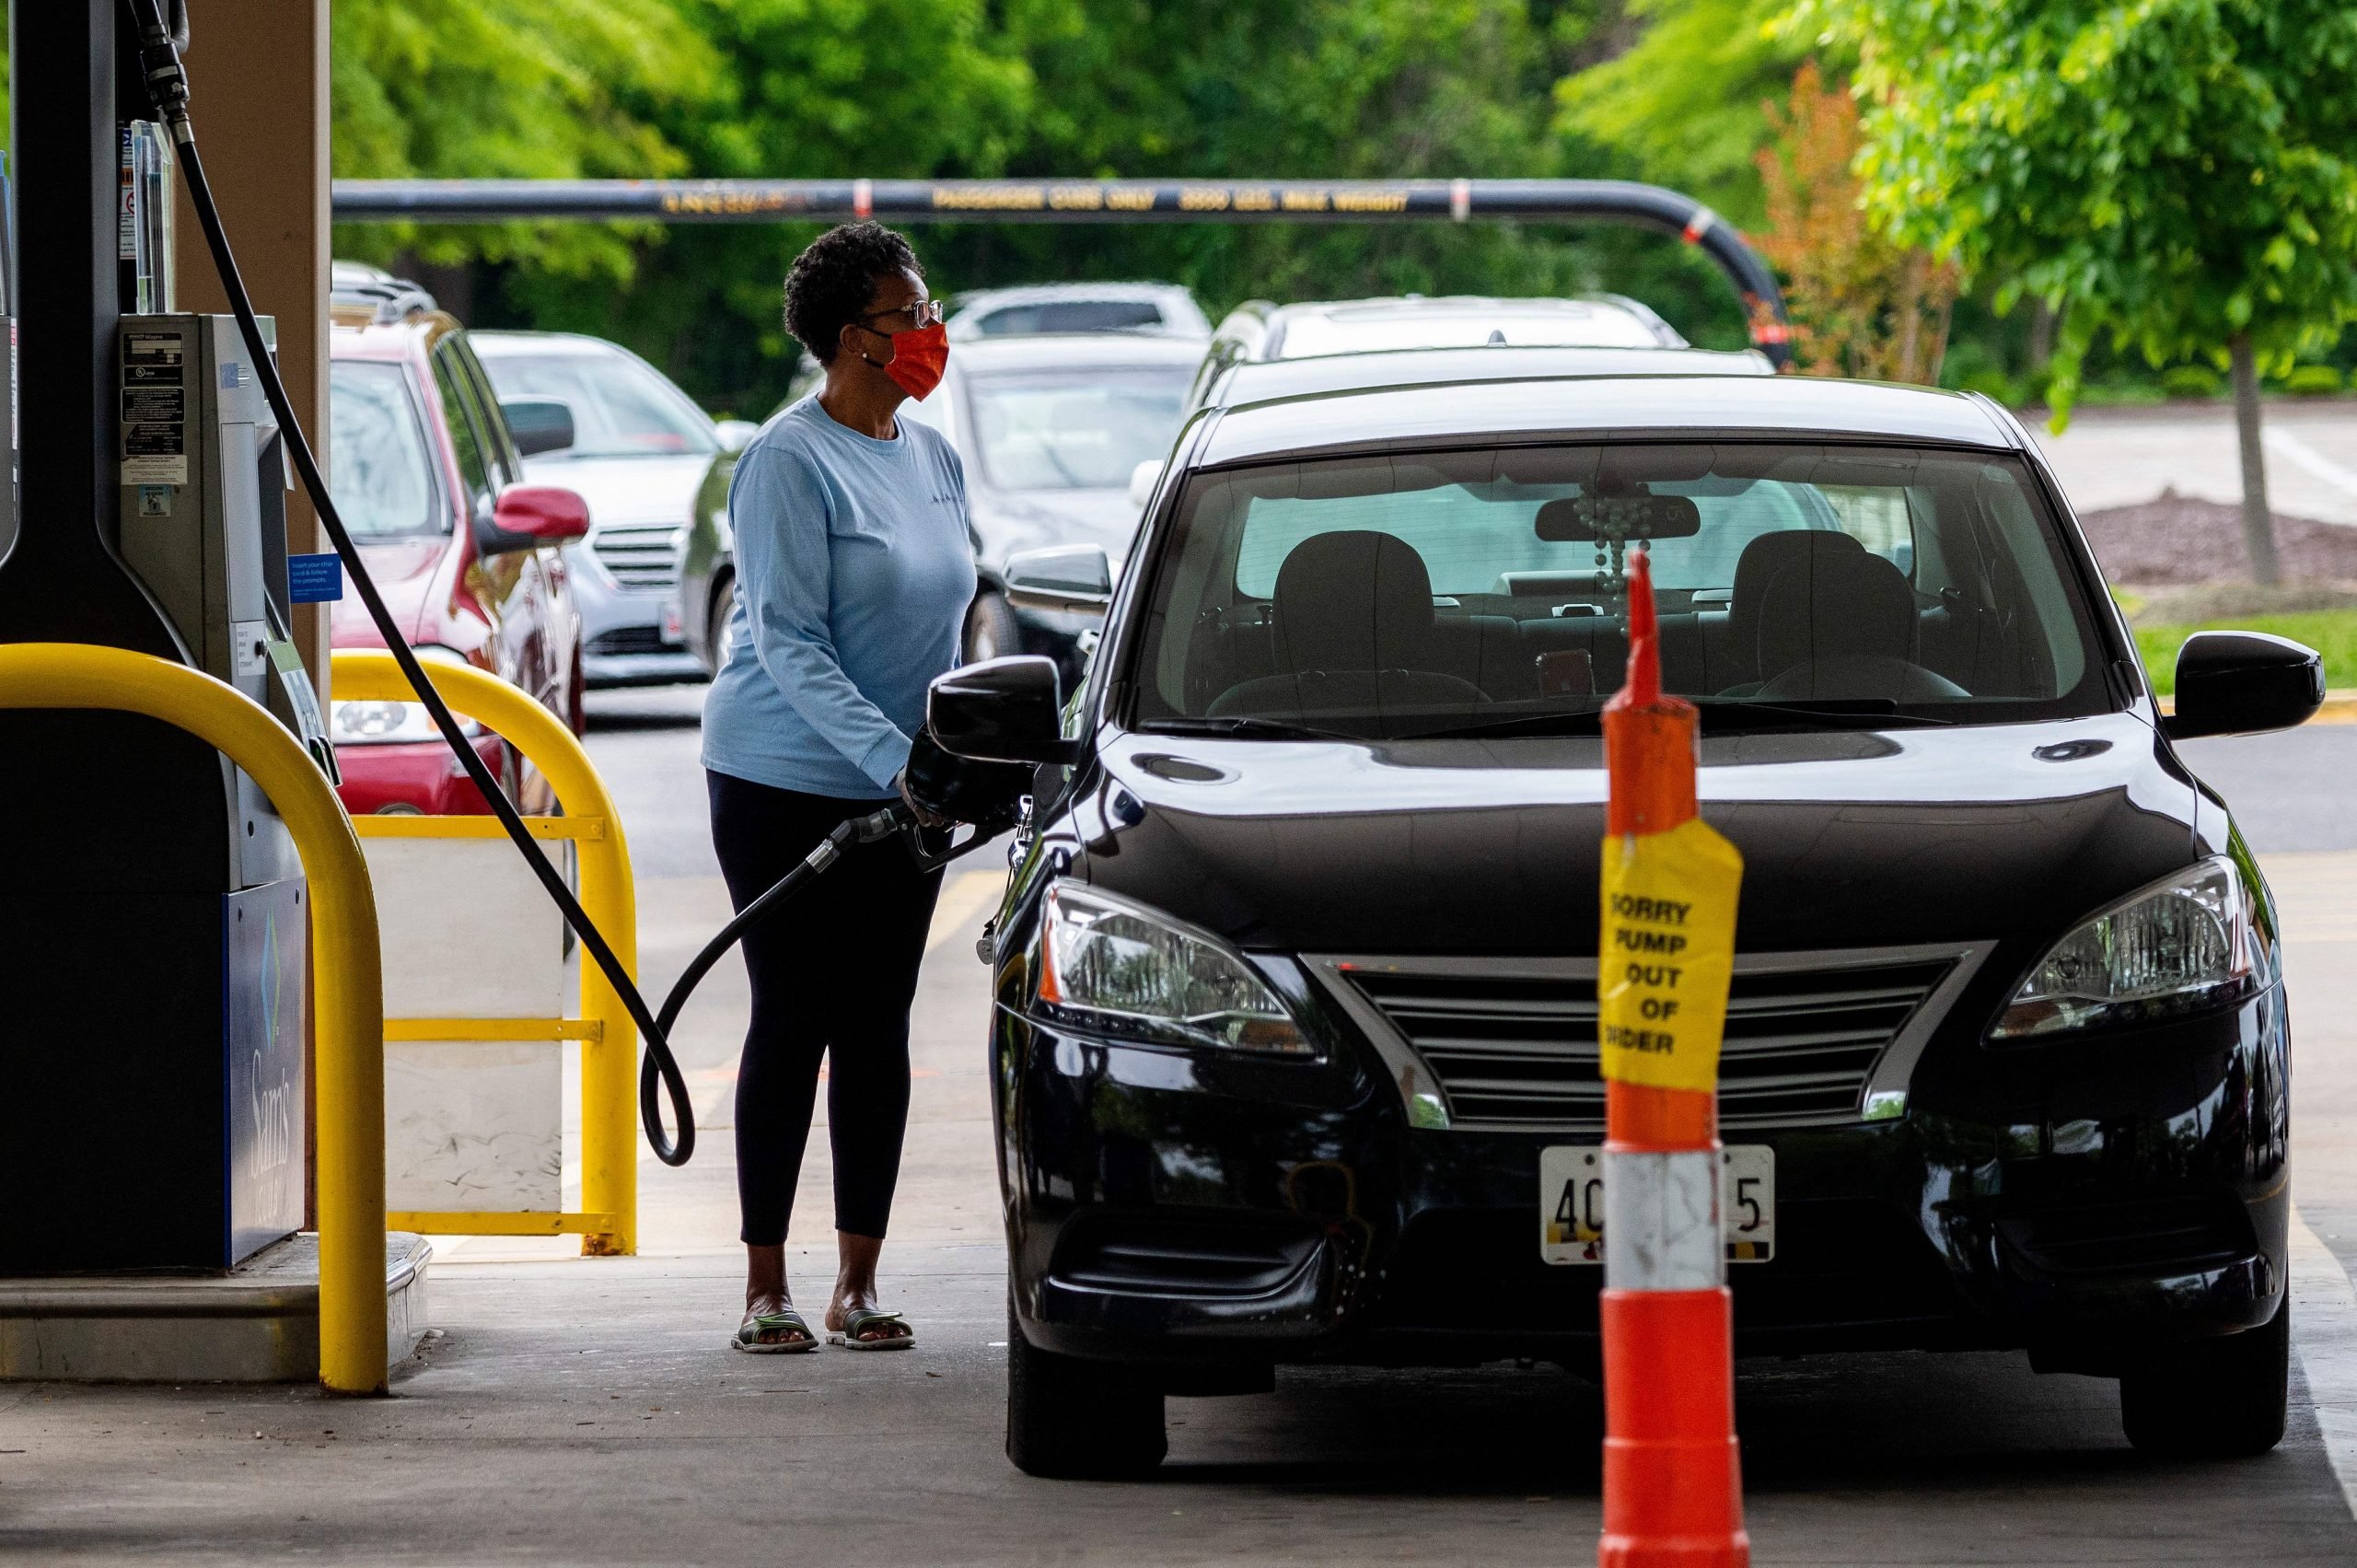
pixel 854 575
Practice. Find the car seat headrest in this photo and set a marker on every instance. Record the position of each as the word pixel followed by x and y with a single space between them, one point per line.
pixel 1354 599
pixel 1761 560
pixel 1835 603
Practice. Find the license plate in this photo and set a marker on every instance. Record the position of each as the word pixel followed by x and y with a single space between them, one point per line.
pixel 1570 1202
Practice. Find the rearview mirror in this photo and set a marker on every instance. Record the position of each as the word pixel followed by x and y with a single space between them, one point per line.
pixel 1143 480
pixel 735 434
pixel 527 515
pixel 2243 683
pixel 539 424
pixel 1579 518
pixel 1002 710
pixel 1075 577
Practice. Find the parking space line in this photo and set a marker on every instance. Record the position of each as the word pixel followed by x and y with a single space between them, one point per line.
pixel 2300 455
pixel 2324 1336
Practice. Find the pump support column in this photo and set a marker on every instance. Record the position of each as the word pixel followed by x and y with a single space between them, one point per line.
pixel 259 68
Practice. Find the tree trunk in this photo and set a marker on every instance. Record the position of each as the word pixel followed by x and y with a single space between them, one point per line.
pixel 2258 528
pixel 2043 320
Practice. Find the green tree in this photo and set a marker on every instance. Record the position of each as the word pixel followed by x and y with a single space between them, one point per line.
pixel 517 88
pixel 1683 102
pixel 2180 174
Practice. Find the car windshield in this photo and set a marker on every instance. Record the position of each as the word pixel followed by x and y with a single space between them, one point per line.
pixel 1073 429
pixel 1800 585
pixel 620 408
pixel 1069 316
pixel 382 475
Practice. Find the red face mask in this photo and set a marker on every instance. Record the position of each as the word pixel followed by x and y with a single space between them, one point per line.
pixel 917 359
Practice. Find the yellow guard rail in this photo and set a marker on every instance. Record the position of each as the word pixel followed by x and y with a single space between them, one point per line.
pixel 349 1066
pixel 609 1225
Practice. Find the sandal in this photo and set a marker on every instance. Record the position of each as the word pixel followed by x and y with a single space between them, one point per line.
pixel 860 1319
pixel 749 1334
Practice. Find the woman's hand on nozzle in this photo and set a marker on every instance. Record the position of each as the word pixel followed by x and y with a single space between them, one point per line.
pixel 927 817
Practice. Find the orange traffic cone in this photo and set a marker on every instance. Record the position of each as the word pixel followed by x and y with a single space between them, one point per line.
pixel 1672 1492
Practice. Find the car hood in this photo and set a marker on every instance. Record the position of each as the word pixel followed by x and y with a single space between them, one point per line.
pixel 1008 521
pixel 627 490
pixel 1849 839
pixel 410 574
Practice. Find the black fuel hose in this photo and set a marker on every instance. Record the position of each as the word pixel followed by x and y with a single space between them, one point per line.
pixel 167 87
pixel 861 829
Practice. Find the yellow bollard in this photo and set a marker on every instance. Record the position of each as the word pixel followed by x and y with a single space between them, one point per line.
pixel 351 1010
pixel 609 1056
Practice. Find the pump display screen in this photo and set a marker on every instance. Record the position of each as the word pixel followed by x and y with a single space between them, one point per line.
pixel 382 476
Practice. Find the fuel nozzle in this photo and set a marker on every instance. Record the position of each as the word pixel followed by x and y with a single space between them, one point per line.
pixel 878 824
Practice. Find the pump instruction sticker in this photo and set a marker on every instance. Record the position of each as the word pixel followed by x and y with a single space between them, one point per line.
pixel 1667 955
pixel 155 409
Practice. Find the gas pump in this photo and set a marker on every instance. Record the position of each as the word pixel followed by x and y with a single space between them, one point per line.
pixel 153 912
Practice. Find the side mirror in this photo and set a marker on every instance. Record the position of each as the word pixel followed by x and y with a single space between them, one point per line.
pixel 736 435
pixel 527 515
pixel 539 424
pixel 2242 683
pixel 1002 710
pixel 1070 578
pixel 1143 480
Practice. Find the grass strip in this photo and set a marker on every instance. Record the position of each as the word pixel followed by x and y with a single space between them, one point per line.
pixel 2332 632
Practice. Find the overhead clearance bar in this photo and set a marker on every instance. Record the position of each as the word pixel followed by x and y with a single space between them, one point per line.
pixel 1087 201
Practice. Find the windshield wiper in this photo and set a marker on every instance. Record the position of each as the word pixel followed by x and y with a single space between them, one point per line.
pixel 1589 722
pixel 1867 713
pixel 1242 725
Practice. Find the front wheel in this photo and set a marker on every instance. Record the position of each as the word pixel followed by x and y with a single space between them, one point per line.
pixel 715 635
pixel 1073 1420
pixel 2219 1398
pixel 990 629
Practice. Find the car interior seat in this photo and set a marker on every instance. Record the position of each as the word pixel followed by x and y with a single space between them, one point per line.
pixel 1353 630
pixel 1840 623
pixel 1736 660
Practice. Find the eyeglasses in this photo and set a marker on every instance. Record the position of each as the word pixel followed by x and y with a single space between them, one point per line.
pixel 917 313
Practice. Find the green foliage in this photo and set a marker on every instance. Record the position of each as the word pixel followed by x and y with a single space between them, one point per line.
pixel 919 89
pixel 2332 632
pixel 2312 381
pixel 523 88
pixel 1684 103
pixel 2192 381
pixel 796 90
pixel 2178 172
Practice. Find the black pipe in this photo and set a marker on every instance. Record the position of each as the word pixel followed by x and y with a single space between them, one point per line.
pixel 1087 201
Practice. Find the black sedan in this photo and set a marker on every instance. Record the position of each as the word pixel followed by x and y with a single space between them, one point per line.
pixel 1295 1053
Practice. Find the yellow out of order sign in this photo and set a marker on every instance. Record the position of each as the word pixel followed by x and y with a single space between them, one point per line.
pixel 1666 955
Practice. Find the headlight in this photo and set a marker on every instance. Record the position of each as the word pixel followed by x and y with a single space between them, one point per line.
pixel 374 721
pixel 1125 969
pixel 2188 944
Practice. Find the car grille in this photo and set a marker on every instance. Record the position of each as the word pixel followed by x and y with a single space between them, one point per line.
pixel 1515 1046
pixel 639 555
pixel 625 640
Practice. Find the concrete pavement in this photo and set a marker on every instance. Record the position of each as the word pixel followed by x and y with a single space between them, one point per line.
pixel 587 1412
pixel 2118 457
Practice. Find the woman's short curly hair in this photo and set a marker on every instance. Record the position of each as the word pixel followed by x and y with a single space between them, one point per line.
pixel 830 285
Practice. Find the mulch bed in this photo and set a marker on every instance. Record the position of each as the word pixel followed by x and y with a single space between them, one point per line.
pixel 2178 542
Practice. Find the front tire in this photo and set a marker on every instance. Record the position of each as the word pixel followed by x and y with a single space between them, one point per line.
pixel 992 630
pixel 2221 1399
pixel 1073 1420
pixel 715 636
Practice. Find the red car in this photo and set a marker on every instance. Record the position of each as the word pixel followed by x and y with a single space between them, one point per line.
pixel 427 471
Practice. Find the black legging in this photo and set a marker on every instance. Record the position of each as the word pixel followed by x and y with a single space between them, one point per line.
pixel 834 972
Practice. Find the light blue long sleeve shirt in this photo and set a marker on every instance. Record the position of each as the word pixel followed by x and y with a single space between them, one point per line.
pixel 853 572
